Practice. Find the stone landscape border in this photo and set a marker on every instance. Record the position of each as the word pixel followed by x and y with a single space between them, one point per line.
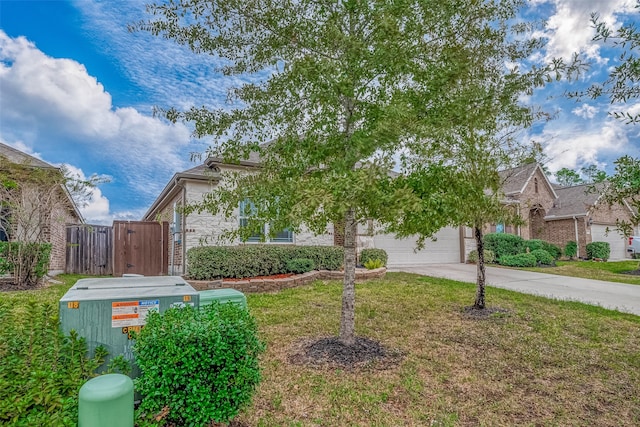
pixel 271 285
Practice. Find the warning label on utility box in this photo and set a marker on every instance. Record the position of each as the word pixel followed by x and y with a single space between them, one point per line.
pixel 132 313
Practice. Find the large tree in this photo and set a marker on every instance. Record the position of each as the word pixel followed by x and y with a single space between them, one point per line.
pixel 329 93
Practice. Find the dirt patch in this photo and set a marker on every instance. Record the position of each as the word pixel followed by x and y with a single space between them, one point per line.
pixel 331 352
pixel 471 312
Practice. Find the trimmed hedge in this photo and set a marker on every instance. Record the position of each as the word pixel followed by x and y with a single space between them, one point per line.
pixel 543 257
pixel 519 260
pixel 489 256
pixel 502 244
pixel 300 265
pixel 215 262
pixel 201 364
pixel 554 250
pixel 373 254
pixel 601 250
pixel 533 244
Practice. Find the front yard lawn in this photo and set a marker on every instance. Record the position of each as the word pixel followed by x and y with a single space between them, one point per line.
pixel 612 271
pixel 540 362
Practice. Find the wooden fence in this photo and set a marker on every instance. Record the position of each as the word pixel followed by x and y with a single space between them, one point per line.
pixel 89 250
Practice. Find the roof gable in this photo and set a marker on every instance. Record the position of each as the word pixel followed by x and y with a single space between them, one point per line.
pixel 17 156
pixel 515 180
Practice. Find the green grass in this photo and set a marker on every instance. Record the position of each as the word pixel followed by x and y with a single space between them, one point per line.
pixel 543 362
pixel 612 271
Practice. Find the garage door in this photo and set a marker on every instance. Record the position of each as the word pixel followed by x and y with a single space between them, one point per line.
pixel 446 249
pixel 616 240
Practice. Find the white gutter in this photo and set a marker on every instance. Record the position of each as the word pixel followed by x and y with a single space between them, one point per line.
pixel 575 222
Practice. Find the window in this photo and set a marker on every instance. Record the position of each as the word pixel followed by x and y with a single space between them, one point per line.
pixel 4 225
pixel 535 185
pixel 499 228
pixel 247 209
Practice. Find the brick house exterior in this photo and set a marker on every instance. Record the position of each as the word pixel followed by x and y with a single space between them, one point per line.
pixel 63 214
pixel 561 214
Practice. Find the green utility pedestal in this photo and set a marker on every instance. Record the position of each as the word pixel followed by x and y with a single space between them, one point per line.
pixel 106 401
pixel 222 296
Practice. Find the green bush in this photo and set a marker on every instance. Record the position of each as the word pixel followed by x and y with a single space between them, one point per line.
pixel 300 265
pixel 519 260
pixel 214 262
pixel 373 254
pixel 41 371
pixel 200 364
pixel 553 250
pixel 372 264
pixel 489 256
pixel 600 250
pixel 543 257
pixel 533 244
pixel 504 244
pixel 27 262
pixel 571 249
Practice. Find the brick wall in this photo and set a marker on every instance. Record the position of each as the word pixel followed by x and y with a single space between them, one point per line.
pixel 532 199
pixel 57 236
pixel 561 231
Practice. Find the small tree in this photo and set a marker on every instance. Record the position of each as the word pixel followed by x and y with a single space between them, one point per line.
pixel 568 177
pixel 338 90
pixel 31 199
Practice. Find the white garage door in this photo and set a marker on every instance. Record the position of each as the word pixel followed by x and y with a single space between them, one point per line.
pixel 446 249
pixel 616 241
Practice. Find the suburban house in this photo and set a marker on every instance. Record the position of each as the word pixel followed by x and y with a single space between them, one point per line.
pixel 561 214
pixel 557 215
pixel 195 229
pixel 52 228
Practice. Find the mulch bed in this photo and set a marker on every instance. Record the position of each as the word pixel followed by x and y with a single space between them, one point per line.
pixel 632 272
pixel 7 285
pixel 333 353
pixel 273 276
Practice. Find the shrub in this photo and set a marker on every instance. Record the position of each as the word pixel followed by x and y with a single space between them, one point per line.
pixel 533 244
pixel 200 364
pixel 27 262
pixel 372 264
pixel 553 250
pixel 489 256
pixel 504 244
pixel 373 254
pixel 543 257
pixel 519 260
pixel 213 262
pixel 300 265
pixel 41 370
pixel 571 249
pixel 600 250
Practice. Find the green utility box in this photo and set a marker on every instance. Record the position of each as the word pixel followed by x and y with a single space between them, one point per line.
pixel 106 311
pixel 223 296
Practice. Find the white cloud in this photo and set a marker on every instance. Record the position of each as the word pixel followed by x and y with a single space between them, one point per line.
pixel 569 29
pixel 48 100
pixel 585 111
pixel 573 147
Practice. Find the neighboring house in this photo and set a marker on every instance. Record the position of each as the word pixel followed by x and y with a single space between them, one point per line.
pixel 561 214
pixel 64 211
pixel 198 229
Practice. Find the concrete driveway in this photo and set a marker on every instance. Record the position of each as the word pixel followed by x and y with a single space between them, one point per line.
pixel 616 296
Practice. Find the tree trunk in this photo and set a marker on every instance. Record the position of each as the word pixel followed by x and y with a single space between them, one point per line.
pixel 480 272
pixel 348 315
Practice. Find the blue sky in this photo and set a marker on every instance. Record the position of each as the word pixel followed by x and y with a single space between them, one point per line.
pixel 77 88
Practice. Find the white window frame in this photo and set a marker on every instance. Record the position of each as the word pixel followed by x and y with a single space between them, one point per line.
pixel 242 218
